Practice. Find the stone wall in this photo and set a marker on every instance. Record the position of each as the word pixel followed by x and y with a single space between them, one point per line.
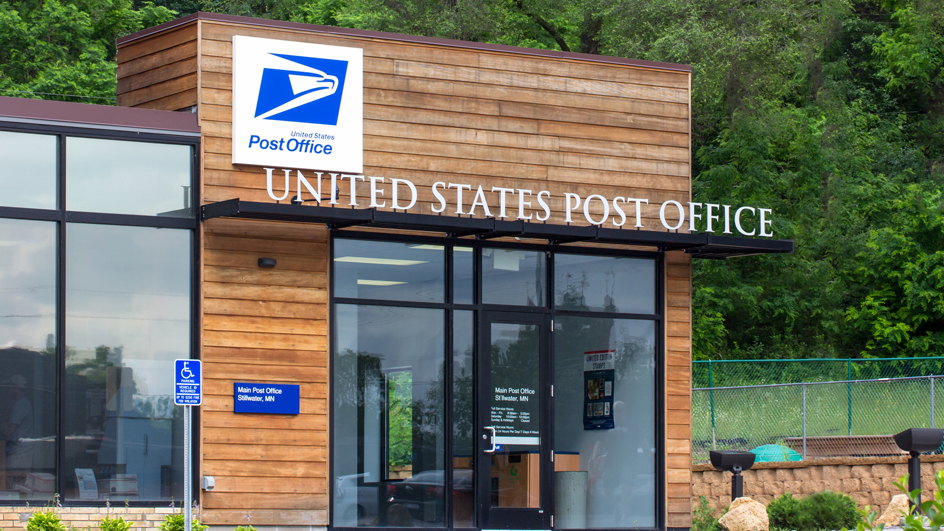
pixel 85 517
pixel 868 480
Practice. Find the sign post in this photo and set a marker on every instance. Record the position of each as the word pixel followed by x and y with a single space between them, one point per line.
pixel 188 392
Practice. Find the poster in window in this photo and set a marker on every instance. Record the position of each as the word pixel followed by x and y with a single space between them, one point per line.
pixel 598 374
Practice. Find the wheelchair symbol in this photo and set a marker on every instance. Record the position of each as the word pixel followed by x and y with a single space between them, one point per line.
pixel 186 373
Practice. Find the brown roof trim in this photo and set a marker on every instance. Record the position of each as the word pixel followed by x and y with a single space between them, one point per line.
pixel 249 21
pixel 98 116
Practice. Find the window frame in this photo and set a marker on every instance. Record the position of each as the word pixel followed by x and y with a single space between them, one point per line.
pixel 477 307
pixel 62 217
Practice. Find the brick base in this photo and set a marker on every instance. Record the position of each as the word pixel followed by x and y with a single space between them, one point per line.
pixel 86 517
pixel 868 480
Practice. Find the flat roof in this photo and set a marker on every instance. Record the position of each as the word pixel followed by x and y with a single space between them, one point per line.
pixel 27 110
pixel 331 30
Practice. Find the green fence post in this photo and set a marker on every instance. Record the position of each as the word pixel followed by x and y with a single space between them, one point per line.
pixel 711 399
pixel 849 386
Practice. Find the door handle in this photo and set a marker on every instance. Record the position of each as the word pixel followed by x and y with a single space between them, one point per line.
pixel 494 448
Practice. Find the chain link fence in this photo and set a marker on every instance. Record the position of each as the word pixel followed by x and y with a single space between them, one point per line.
pixel 796 421
pixel 732 373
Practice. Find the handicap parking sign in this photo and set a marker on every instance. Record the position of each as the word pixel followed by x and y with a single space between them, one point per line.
pixel 188 383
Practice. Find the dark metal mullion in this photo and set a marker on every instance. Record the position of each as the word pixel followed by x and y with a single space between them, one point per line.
pixel 31 213
pixel 196 245
pixel 104 133
pixel 131 220
pixel 383 302
pixel 633 316
pixel 551 423
pixel 332 341
pixel 449 317
pixel 61 316
pixel 660 398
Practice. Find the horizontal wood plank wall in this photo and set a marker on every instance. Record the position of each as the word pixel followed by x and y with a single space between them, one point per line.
pixel 431 113
pixel 159 72
pixel 678 387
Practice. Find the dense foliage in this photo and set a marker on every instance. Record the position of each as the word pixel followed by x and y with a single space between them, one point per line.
pixel 823 510
pixel 828 111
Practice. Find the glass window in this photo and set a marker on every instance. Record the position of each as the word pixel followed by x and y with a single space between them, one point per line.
pixel 463 281
pixel 28 170
pixel 27 359
pixel 511 276
pixel 604 421
pixel 389 271
pixel 388 416
pixel 122 177
pixel 463 422
pixel 127 320
pixel 604 284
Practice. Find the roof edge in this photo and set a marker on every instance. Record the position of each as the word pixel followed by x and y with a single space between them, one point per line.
pixel 98 116
pixel 330 30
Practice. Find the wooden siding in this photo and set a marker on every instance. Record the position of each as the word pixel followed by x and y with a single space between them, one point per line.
pixel 431 113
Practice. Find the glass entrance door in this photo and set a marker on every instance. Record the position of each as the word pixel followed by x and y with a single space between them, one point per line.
pixel 514 464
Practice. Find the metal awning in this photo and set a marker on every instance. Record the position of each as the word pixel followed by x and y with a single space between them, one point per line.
pixel 699 245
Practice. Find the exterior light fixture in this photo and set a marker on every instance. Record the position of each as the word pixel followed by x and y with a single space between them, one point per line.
pixel 915 441
pixel 267 263
pixel 734 462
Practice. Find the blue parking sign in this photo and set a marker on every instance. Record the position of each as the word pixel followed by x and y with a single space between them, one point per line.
pixel 188 383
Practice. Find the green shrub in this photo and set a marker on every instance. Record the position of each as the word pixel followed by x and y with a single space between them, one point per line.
pixel 830 510
pixel 175 522
pixel 114 524
pixel 244 528
pixel 703 518
pixel 784 512
pixel 45 521
pixel 823 510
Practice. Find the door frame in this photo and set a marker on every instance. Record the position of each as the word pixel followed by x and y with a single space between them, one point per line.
pixel 489 517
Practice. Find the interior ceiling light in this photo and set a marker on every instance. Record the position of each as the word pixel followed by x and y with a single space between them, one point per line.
pixel 428 247
pixel 365 282
pixel 379 261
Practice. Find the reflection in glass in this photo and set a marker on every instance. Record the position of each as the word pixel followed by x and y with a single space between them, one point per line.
pixel 511 276
pixel 604 283
pixel 122 177
pixel 463 284
pixel 127 320
pixel 463 423
pixel 28 170
pixel 389 271
pixel 515 411
pixel 27 359
pixel 604 419
pixel 389 392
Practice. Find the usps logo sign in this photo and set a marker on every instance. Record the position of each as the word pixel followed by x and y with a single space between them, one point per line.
pixel 298 105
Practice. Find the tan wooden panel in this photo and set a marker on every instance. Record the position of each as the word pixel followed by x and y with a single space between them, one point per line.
pixel 222 34
pixel 223 419
pixel 265 229
pixel 678 476
pixel 265 293
pixel 262 277
pixel 264 245
pixel 266 341
pixel 173 102
pixel 159 90
pixel 259 437
pixel 267 517
pixel 679 490
pixel 679 519
pixel 271 485
pixel 157 75
pixel 269 452
pixel 248 356
pixel 171 55
pixel 239 323
pixel 163 41
pixel 678 403
pixel 226 500
pixel 545 82
pixel 676 446
pixel 265 309
pixel 292 374
pixel 251 260
pixel 296 469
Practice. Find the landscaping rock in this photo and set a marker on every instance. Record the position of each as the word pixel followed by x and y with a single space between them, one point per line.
pixel 745 514
pixel 897 508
